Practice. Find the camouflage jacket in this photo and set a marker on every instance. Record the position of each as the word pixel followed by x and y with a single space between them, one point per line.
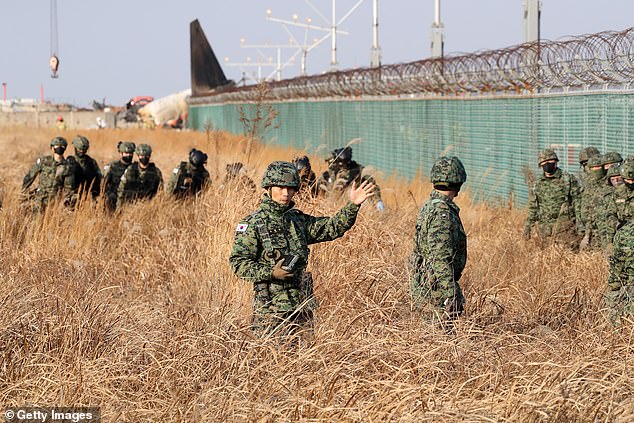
pixel 591 215
pixel 275 231
pixel 112 174
pixel 554 201
pixel 138 183
pixel 90 175
pixel 440 250
pixel 186 180
pixel 339 178
pixel 622 258
pixel 54 178
pixel 616 208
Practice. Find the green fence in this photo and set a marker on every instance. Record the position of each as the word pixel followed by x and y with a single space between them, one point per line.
pixel 496 137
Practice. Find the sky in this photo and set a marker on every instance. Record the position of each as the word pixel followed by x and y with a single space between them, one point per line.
pixel 118 49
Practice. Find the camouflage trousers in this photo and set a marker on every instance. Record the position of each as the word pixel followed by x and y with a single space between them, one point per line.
pixel 284 308
pixel 561 232
pixel 437 305
pixel 620 303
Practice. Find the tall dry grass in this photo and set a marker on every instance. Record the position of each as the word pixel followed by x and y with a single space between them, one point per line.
pixel 139 313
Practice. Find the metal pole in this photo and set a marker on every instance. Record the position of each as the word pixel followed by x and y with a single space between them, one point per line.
pixel 375 53
pixel 333 36
pixel 4 91
pixel 279 63
pixel 437 33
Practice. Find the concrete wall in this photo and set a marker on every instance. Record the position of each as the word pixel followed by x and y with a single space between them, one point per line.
pixel 38 119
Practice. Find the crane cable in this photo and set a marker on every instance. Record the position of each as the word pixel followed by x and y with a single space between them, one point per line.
pixel 54 60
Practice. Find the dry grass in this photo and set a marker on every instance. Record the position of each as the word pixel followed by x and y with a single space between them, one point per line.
pixel 140 314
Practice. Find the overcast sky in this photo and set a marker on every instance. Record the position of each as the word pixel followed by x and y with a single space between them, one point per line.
pixel 118 49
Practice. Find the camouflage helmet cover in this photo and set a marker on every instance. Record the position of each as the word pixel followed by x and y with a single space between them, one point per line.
pixel 281 174
pixel 595 161
pixel 302 162
pixel 545 155
pixel 197 158
pixel 614 171
pixel 627 169
pixel 59 142
pixel 586 153
pixel 144 150
pixel 612 157
pixel 126 147
pixel 449 170
pixel 81 143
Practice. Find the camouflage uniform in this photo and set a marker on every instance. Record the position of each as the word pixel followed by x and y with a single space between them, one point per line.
pixel 276 231
pixel 90 177
pixel 342 172
pixel 55 179
pixel 138 182
pixel 584 156
pixel 235 177
pixel 554 203
pixel 113 173
pixel 594 190
pixel 617 206
pixel 189 178
pixel 440 246
pixel 620 294
pixel 307 178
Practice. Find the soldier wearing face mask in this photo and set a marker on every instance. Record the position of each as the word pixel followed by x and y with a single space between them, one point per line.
pixel 140 180
pixel 594 190
pixel 554 203
pixel 114 171
pixel 619 203
pixel 189 178
pixel 90 175
pixel 56 177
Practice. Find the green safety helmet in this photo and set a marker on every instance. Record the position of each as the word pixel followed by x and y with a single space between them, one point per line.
pixel 144 150
pixel 281 174
pixel 80 142
pixel 59 142
pixel 586 153
pixel 126 147
pixel 614 171
pixel 627 170
pixel 448 170
pixel 547 154
pixel 612 157
pixel 595 161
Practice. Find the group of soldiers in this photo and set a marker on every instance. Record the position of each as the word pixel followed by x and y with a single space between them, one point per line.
pixel 73 178
pixel 591 212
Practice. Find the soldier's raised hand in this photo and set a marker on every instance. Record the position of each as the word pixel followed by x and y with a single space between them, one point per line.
pixel 358 194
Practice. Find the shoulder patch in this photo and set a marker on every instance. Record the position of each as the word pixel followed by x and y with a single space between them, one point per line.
pixel 242 227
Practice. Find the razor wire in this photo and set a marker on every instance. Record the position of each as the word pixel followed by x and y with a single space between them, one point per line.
pixel 602 60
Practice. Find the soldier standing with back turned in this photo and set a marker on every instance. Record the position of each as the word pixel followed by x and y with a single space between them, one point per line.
pixel 90 174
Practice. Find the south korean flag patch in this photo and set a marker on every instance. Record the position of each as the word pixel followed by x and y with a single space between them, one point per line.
pixel 242 227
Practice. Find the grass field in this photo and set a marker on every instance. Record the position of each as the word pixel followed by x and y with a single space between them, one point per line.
pixel 140 314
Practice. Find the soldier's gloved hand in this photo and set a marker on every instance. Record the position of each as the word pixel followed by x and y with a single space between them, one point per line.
pixel 279 273
pixel 527 233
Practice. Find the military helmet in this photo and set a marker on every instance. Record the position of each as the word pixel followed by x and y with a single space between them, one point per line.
pixel 595 161
pixel 144 150
pixel 612 157
pixel 586 153
pixel 197 157
pixel 614 171
pixel 547 154
pixel 302 162
pixel 627 170
pixel 343 154
pixel 233 169
pixel 126 147
pixel 281 174
pixel 81 143
pixel 59 142
pixel 448 170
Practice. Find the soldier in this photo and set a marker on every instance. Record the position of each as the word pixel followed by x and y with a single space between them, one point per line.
pixel 89 178
pixel 235 177
pixel 140 180
pixel 57 177
pixel 342 171
pixel 584 156
pixel 554 203
pixel 114 171
pixel 620 294
pixel 189 178
pixel 594 190
pixel 307 178
pixel 440 246
pixel 270 249
pixel 618 204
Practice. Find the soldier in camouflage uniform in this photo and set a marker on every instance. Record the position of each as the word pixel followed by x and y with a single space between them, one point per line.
pixel 236 178
pixel 584 157
pixel 618 205
pixel 189 178
pixel 141 180
pixel 114 171
pixel 268 240
pixel 342 171
pixel 440 246
pixel 90 176
pixel 620 294
pixel 57 177
pixel 593 192
pixel 307 178
pixel 554 203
